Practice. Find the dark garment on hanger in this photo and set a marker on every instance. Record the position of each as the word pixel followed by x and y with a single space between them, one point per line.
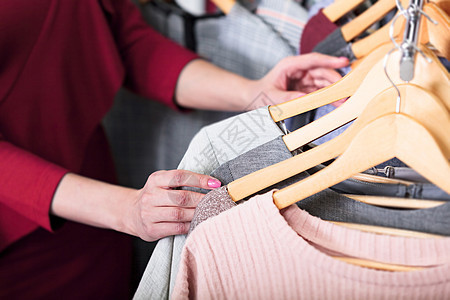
pixel 328 204
pixel 317 29
pixel 335 45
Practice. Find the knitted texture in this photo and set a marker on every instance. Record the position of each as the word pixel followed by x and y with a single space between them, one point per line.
pixel 254 252
pixel 214 203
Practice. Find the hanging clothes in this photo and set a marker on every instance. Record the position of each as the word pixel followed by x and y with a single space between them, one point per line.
pixel 329 204
pixel 254 251
pixel 211 147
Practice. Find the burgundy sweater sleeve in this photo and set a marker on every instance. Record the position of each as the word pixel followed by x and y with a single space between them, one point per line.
pixel 152 62
pixel 26 176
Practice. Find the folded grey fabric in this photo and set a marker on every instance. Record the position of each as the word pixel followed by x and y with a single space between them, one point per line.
pixel 328 204
pixel 211 147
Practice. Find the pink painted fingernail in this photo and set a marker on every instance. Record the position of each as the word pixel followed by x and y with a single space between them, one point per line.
pixel 214 183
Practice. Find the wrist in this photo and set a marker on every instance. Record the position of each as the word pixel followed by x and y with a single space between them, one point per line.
pixel 247 99
pixel 124 212
pixel 256 96
pixel 92 202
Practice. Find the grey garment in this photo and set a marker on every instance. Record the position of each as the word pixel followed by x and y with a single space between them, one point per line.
pixel 212 146
pixel 286 17
pixel 328 204
pixel 332 206
pixel 241 42
pixel 335 45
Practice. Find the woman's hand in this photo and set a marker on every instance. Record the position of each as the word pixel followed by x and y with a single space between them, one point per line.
pixel 295 76
pixel 153 212
pixel 203 85
pixel 159 210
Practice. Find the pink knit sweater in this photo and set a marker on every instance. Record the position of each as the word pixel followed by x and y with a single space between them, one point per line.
pixel 254 252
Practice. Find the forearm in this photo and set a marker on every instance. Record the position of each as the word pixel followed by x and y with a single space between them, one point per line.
pixel 203 85
pixel 92 202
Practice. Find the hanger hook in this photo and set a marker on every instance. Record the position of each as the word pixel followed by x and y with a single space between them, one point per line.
pixel 391 31
pixel 385 62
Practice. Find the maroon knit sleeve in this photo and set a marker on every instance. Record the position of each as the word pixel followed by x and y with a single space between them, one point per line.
pixel 152 62
pixel 27 183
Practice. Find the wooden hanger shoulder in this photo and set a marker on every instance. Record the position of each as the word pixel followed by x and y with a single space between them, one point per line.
pixel 396 202
pixel 364 46
pixel 388 230
pixel 376 80
pixel 421 104
pixel 343 88
pixel 374 13
pixel 436 34
pixel 393 135
pixel 339 8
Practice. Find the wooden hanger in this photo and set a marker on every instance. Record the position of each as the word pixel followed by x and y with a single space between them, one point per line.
pixel 420 104
pixel 379 179
pixel 374 13
pixel 339 8
pixel 435 34
pixel 375 81
pixel 343 88
pixel 377 265
pixel 372 48
pixel 393 135
pixel 396 202
pixel 364 46
pixel 388 230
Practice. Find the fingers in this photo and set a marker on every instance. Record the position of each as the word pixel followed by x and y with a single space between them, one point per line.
pixel 172 214
pixel 180 198
pixel 170 198
pixel 312 60
pixel 177 178
pixel 324 77
pixel 160 230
